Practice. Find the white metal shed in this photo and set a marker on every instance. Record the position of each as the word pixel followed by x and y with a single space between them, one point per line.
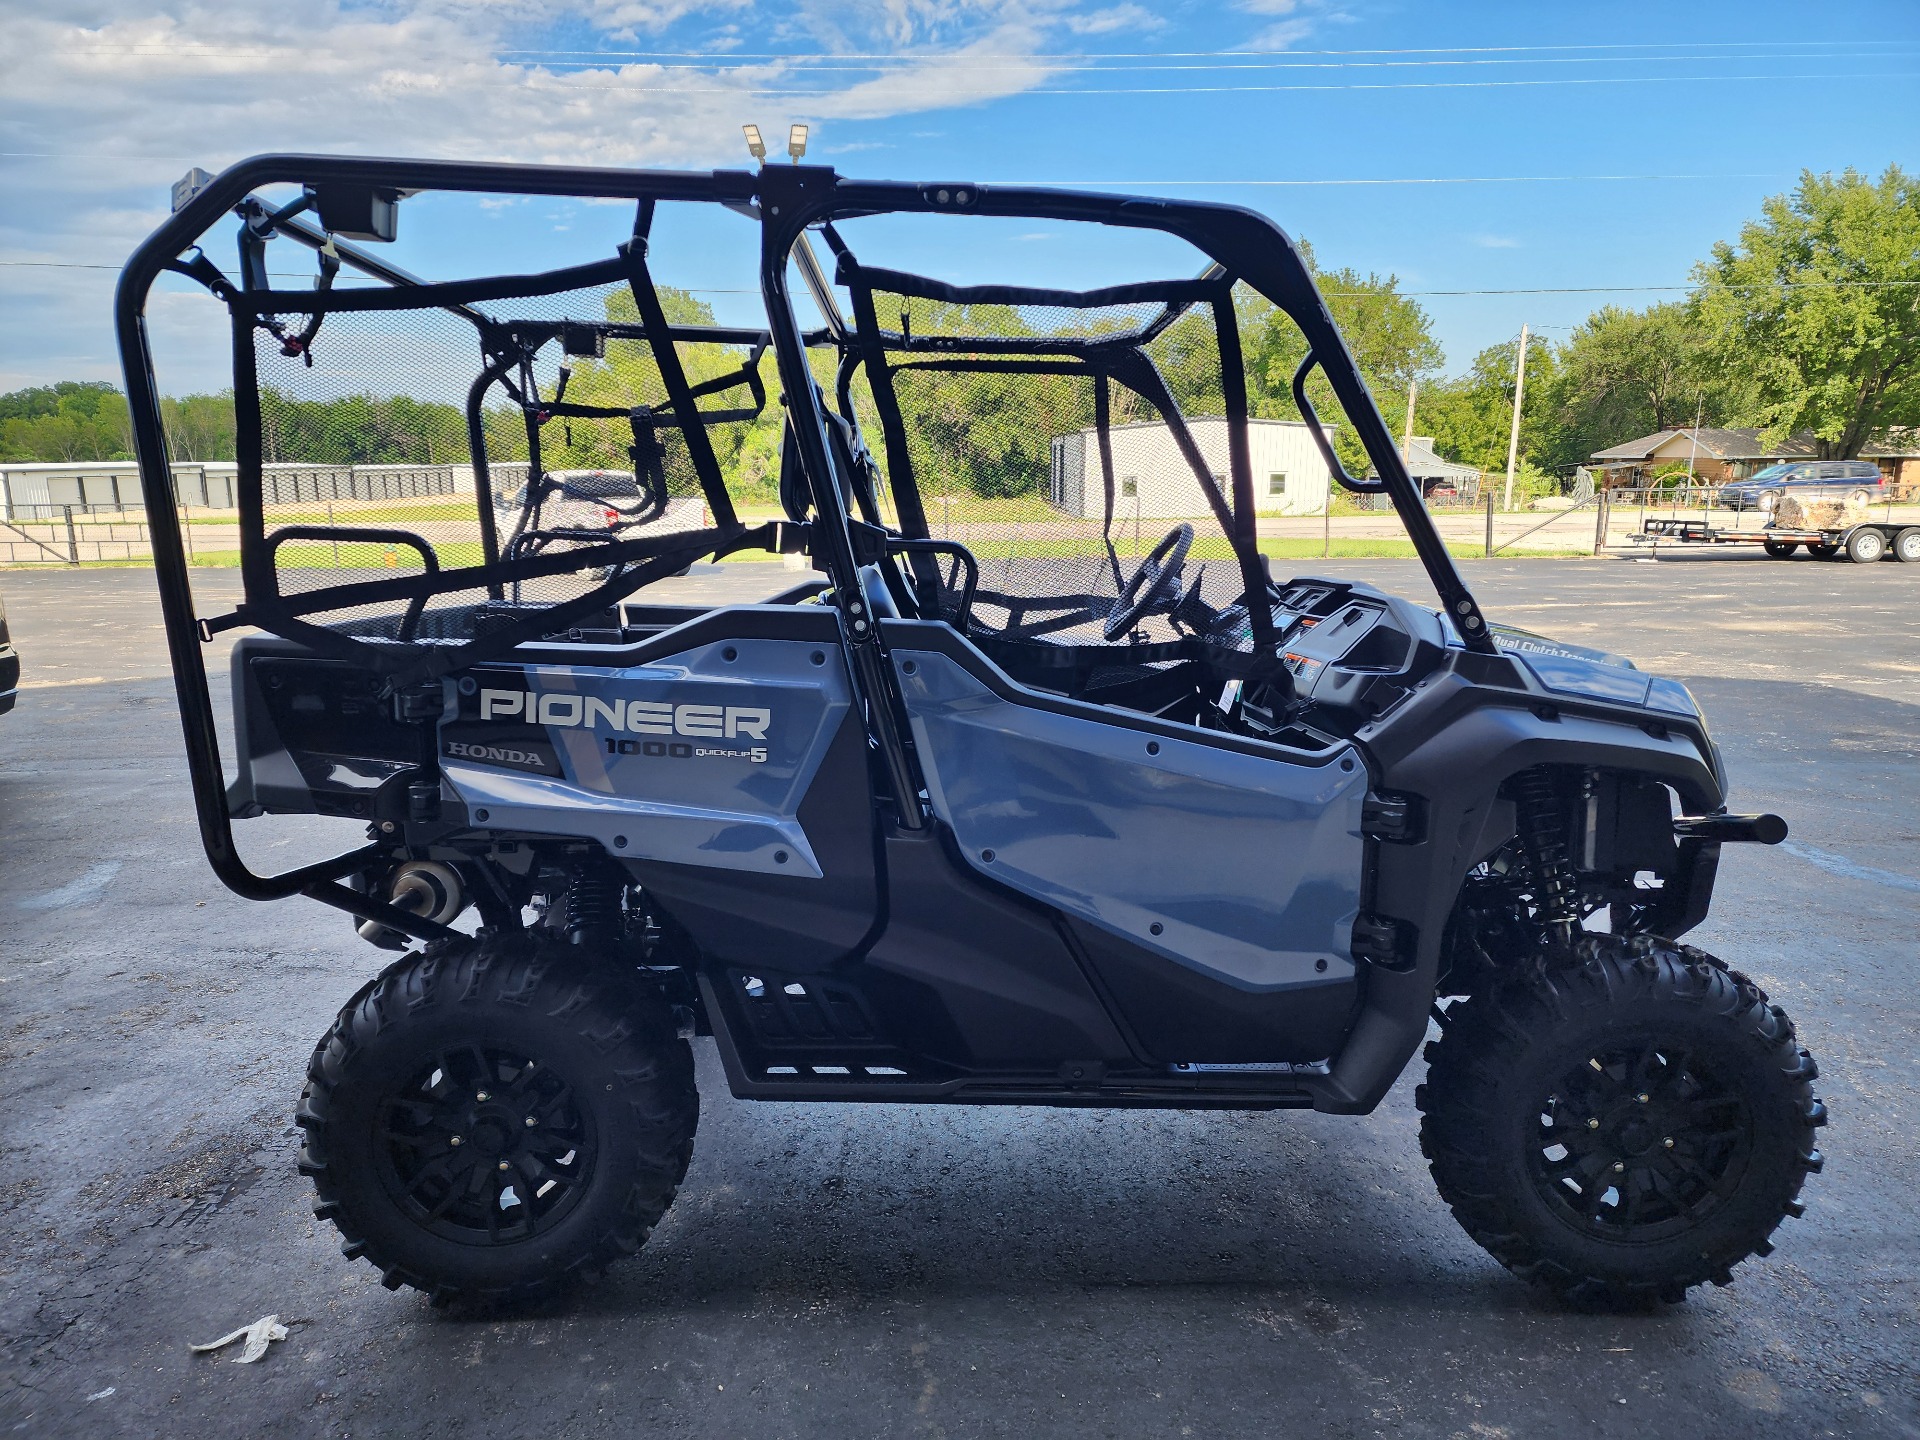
pixel 1154 481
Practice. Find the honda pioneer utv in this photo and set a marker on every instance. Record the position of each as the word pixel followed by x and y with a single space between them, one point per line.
pixel 1020 803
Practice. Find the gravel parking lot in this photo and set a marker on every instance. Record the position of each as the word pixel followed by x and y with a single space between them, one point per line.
pixel 892 1271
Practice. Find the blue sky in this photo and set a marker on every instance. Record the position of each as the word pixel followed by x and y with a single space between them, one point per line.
pixel 1295 107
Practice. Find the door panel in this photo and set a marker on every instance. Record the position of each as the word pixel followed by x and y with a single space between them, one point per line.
pixel 1244 869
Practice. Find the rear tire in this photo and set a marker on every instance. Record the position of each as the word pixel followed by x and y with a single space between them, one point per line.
pixel 1540 1140
pixel 1820 550
pixel 1906 545
pixel 1866 545
pixel 1779 549
pixel 494 1119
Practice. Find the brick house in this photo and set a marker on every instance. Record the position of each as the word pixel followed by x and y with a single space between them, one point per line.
pixel 1718 455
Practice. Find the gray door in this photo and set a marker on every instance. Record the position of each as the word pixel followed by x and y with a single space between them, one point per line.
pixel 1244 868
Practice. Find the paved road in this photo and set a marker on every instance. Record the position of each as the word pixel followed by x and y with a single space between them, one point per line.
pixel 903 1271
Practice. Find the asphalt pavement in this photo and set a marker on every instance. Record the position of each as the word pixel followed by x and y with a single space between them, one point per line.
pixel 897 1271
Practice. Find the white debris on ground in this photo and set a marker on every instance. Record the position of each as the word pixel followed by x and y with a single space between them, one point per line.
pixel 258 1336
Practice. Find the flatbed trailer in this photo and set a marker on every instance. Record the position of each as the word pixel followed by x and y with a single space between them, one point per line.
pixel 1865 542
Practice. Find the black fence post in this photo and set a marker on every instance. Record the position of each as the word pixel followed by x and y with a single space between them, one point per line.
pixel 73 544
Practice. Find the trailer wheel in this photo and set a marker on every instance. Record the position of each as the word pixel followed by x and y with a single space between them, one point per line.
pixel 1820 550
pixel 1906 545
pixel 491 1119
pixel 1780 549
pixel 1866 545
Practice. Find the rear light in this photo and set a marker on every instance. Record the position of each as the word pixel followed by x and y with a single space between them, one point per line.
pixel 613 517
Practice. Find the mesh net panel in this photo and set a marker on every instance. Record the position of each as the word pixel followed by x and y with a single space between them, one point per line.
pixel 1009 463
pixel 373 437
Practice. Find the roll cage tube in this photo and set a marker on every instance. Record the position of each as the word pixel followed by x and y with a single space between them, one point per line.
pixel 791 198
pixel 788 199
pixel 1252 248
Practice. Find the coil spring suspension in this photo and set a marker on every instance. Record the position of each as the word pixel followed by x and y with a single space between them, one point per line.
pixel 1543 833
pixel 593 905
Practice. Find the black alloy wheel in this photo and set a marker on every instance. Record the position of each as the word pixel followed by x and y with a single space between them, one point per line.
pixel 1639 1143
pixel 492 1119
pixel 486 1145
pixel 1621 1125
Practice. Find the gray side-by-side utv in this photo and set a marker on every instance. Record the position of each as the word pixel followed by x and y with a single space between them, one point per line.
pixel 1011 807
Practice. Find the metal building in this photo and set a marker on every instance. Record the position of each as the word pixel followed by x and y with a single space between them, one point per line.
pixel 1153 481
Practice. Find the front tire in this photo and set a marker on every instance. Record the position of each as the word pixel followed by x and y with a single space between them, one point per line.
pixel 493 1119
pixel 1624 1130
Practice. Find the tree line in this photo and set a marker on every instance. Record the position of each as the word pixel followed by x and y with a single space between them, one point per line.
pixel 1809 321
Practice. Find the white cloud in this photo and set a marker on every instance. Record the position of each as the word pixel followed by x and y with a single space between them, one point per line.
pixel 1495 242
pixel 1114 17
pixel 122 96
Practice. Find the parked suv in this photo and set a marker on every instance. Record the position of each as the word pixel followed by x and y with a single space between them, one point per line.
pixel 9 664
pixel 1859 480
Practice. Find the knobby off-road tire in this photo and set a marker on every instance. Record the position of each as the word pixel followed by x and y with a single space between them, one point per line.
pixel 1625 1129
pixel 494 1120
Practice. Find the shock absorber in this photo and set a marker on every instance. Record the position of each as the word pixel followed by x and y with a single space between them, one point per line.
pixel 593 904
pixel 1543 832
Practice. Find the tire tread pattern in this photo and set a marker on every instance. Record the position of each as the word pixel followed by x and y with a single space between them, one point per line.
pixel 612 1012
pixel 1487 1035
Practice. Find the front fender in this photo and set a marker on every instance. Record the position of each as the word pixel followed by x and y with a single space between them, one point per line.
pixel 1453 747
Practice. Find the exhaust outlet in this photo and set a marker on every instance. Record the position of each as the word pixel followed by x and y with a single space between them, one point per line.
pixel 430 889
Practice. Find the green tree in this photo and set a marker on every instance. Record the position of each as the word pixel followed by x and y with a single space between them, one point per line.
pixel 1818 302
pixel 1627 373
pixel 73 420
pixel 1470 416
pixel 1389 334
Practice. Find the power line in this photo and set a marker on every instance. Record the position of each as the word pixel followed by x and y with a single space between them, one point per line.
pixel 1705 47
pixel 816 64
pixel 764 92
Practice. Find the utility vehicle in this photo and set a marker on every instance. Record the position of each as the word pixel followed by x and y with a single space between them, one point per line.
pixel 1001 810
pixel 9 664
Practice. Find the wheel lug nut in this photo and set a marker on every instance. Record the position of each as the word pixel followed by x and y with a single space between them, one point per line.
pixel 453 1140
pixel 1593 1124
pixel 483 1095
pixel 532 1121
pixel 1643 1098
pixel 1668 1142
pixel 504 1165
pixel 1619 1167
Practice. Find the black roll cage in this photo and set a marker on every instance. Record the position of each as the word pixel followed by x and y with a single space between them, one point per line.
pixel 787 201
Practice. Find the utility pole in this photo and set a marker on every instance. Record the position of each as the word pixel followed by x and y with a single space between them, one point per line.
pixel 1513 437
pixel 1406 436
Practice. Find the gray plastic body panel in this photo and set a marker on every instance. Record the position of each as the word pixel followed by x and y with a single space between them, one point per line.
pixel 1250 867
pixel 687 792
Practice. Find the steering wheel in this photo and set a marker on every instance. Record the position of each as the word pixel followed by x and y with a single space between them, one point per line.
pixel 1155 586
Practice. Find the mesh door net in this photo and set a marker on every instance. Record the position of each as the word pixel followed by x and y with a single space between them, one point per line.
pixel 1061 438
pixel 555 448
